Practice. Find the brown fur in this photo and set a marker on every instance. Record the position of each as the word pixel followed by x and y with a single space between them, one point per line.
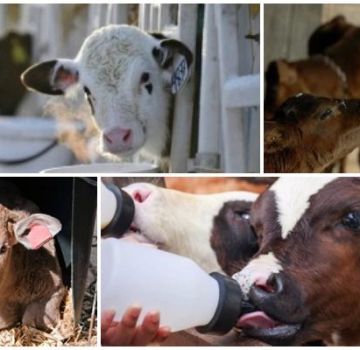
pixel 321 256
pixel 232 238
pixel 31 288
pixel 309 133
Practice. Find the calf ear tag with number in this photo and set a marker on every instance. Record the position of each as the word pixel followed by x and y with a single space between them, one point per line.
pixel 180 75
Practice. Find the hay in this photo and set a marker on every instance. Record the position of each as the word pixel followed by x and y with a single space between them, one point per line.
pixel 64 334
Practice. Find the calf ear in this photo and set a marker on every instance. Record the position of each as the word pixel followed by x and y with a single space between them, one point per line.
pixel 51 77
pixel 287 72
pixel 175 58
pixel 36 230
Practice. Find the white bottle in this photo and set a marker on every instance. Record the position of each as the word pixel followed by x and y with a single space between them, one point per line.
pixel 180 290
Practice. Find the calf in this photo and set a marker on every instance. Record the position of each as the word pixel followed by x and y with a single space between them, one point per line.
pixel 31 288
pixel 331 71
pixel 128 77
pixel 305 278
pixel 309 133
pixel 210 229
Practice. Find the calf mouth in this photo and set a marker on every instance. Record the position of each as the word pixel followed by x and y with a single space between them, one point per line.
pixel 135 234
pixel 268 329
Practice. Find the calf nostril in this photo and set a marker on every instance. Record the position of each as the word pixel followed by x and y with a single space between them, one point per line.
pixel 141 196
pixel 271 285
pixel 107 139
pixel 126 136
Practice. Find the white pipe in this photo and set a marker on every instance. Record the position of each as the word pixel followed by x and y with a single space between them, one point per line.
pixel 183 110
pixel 242 91
pixel 210 108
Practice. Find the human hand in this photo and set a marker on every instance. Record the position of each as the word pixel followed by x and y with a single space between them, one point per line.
pixel 125 332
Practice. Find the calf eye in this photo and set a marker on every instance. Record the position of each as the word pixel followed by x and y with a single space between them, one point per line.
pixel 324 115
pixel 144 77
pixel 3 249
pixel 89 98
pixel 291 114
pixel 352 221
pixel 242 215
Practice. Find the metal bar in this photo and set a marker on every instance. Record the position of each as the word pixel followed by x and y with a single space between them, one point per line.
pixel 210 108
pixel 183 109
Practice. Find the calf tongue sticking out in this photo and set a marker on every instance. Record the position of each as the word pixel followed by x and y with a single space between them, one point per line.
pixel 257 319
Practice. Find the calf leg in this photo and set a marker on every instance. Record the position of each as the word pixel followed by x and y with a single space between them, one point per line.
pixel 9 315
pixel 44 313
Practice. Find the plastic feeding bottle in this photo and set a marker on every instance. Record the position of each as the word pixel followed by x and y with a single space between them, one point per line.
pixel 117 211
pixel 180 290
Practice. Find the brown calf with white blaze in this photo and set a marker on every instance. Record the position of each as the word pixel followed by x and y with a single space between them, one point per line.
pixel 305 277
pixel 31 288
pixel 309 133
pixel 209 229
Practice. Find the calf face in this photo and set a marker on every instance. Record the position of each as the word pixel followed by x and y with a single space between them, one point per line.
pixel 127 76
pixel 197 226
pixel 305 278
pixel 31 288
pixel 317 130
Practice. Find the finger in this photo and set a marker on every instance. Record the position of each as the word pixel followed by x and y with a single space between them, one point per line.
pixel 124 332
pixel 148 330
pixel 107 318
pixel 162 334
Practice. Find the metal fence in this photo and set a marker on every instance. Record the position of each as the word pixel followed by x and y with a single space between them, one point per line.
pixel 226 120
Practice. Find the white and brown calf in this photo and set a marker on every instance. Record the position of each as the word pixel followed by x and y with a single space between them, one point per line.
pixel 305 277
pixel 209 229
pixel 31 288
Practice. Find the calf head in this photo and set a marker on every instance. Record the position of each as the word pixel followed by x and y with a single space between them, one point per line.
pixel 193 225
pixel 127 76
pixel 320 125
pixel 31 231
pixel 305 278
pixel 286 79
pixel 327 35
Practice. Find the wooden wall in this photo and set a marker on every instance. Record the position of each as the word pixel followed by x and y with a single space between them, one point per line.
pixel 288 27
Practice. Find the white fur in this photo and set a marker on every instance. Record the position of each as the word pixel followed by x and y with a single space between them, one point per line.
pixel 110 63
pixel 181 222
pixel 292 197
pixel 260 268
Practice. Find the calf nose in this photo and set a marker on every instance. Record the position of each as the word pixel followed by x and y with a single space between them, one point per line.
pixel 139 193
pixel 263 291
pixel 118 138
pixel 280 297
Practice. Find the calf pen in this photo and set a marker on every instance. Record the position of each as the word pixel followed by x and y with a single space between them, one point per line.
pixel 215 119
pixel 73 202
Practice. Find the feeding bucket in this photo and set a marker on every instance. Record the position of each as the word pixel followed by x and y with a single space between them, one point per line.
pixel 106 168
pixel 29 144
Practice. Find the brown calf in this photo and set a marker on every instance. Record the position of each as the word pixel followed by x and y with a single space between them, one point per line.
pixel 31 288
pixel 333 70
pixel 305 278
pixel 309 133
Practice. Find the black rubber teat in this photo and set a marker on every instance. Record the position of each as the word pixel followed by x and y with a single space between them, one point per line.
pixel 230 308
pixel 124 215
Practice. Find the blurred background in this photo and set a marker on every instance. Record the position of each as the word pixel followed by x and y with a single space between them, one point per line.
pixel 288 29
pixel 217 131
pixel 287 38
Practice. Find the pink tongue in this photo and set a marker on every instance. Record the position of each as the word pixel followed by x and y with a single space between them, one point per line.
pixel 257 319
pixel 38 236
